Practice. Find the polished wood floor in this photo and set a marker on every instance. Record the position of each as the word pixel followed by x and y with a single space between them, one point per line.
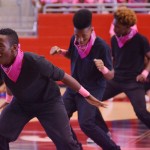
pixel 127 131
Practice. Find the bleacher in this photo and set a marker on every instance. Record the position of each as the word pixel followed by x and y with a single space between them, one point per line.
pixel 20 15
pixel 55 27
pixel 99 8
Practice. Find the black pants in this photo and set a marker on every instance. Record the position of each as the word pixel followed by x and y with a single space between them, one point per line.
pixel 52 116
pixel 87 119
pixel 135 92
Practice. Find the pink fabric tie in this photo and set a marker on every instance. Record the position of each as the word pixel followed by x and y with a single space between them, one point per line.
pixel 14 70
pixel 85 50
pixel 122 40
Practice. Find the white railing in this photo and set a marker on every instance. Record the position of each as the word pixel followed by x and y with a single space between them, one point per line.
pixel 95 7
pixel 13 15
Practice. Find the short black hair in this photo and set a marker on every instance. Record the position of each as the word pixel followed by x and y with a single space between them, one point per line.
pixel 82 19
pixel 12 35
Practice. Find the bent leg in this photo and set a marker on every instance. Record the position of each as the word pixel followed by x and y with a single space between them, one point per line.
pixel 100 121
pixel 57 126
pixel 12 121
pixel 4 143
pixel 68 99
pixel 111 90
pixel 70 105
pixel 137 98
pixel 86 115
pixel 98 93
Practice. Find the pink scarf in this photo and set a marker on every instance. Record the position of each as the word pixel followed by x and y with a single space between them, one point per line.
pixel 123 39
pixel 85 50
pixel 14 70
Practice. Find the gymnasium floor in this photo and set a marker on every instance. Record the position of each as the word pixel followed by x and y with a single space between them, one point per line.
pixel 127 131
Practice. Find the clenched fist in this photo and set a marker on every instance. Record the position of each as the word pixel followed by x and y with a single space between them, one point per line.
pixel 99 64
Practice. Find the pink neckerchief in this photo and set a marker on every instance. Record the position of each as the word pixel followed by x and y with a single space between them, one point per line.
pixel 85 50
pixel 14 70
pixel 123 39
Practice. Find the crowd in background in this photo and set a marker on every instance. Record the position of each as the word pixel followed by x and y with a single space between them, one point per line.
pixel 40 3
pixel 92 1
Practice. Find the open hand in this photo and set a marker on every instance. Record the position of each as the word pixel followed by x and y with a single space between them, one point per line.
pixel 55 50
pixel 93 101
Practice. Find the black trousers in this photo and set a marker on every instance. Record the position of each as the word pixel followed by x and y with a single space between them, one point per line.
pixel 136 94
pixel 52 116
pixel 87 119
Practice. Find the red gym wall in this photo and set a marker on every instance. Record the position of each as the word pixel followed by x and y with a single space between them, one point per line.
pixel 56 29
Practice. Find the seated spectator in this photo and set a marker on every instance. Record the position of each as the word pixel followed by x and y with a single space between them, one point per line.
pixel 37 4
pixel 138 1
pixel 86 1
pixel 40 3
pixel 49 1
pixel 110 8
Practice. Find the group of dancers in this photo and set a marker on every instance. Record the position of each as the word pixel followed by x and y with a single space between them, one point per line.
pixel 98 73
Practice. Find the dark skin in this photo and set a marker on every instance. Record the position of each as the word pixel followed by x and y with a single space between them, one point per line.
pixel 100 66
pixel 5 103
pixel 8 54
pixel 82 37
pixel 122 30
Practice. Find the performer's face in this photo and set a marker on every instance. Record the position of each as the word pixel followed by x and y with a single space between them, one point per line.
pixel 7 52
pixel 83 36
pixel 120 29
